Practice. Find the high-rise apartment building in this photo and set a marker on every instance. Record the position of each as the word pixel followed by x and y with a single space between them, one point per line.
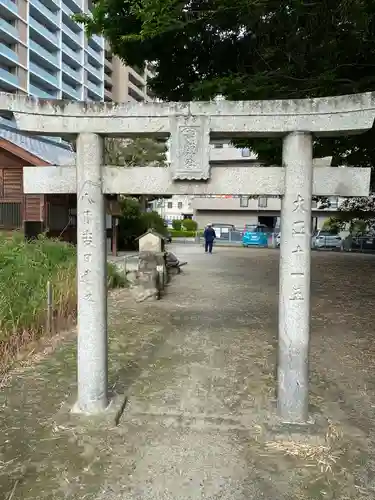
pixel 123 83
pixel 44 53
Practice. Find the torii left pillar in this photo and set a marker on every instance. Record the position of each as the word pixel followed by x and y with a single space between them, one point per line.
pixel 92 277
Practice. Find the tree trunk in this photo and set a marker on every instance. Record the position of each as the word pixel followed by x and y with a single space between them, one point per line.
pixel 143 203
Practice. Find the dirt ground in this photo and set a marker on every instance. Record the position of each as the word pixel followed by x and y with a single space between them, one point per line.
pixel 198 369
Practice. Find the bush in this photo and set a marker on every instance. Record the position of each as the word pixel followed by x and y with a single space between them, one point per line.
pixel 182 234
pixel 190 224
pixel 176 224
pixel 333 225
pixel 134 223
pixel 25 269
pixel 152 220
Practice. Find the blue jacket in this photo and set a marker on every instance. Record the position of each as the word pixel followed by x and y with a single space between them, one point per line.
pixel 209 234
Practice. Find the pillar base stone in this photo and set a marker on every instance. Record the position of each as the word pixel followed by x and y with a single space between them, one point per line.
pixel 110 415
pixel 312 431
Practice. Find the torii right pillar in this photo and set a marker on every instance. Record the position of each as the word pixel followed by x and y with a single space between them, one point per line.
pixel 294 292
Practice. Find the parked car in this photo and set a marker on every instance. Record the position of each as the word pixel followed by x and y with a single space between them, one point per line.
pixel 255 235
pixel 363 242
pixel 326 239
pixel 321 239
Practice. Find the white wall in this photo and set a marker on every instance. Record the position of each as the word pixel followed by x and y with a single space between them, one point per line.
pixel 174 208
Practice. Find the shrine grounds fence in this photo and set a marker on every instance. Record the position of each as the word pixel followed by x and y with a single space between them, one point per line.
pixel 362 244
pixel 230 238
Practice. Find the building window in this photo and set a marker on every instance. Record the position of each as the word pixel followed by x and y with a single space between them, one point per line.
pixel 244 201
pixel 262 202
pixel 179 205
pixel 245 152
pixel 218 146
pixel 170 204
pixel 10 215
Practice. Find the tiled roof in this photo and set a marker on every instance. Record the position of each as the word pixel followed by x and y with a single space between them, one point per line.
pixel 45 149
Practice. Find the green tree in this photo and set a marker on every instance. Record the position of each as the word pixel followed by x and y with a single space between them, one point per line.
pixel 333 224
pixel 176 224
pixel 134 222
pixel 360 212
pixel 152 220
pixel 250 49
pixel 190 224
pixel 138 152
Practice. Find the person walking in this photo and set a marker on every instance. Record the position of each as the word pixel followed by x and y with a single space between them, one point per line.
pixel 209 237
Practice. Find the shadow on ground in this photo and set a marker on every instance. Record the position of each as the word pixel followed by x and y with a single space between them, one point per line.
pixel 198 369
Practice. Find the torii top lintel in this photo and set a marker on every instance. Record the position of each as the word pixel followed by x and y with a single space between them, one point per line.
pixel 349 114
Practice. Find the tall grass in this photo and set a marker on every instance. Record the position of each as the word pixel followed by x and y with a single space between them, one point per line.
pixel 25 269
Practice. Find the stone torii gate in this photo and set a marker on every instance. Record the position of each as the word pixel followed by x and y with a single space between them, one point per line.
pixel 190 126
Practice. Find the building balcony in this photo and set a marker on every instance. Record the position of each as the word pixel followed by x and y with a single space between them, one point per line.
pixel 40 73
pixel 261 204
pixel 108 64
pixel 72 75
pixel 38 30
pixel 42 14
pixel 108 79
pixel 135 92
pixel 9 33
pixel 95 55
pixel 97 90
pixel 97 41
pixel 96 73
pixel 74 5
pixel 8 5
pixel 37 92
pixel 72 57
pixel 136 78
pixel 108 95
pixel 71 92
pixel 68 11
pixel 77 38
pixel 8 55
pixel 8 81
pixel 43 56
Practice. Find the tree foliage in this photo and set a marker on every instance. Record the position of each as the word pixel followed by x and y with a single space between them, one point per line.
pixel 138 152
pixel 177 224
pixel 190 224
pixel 250 49
pixel 135 222
pixel 358 211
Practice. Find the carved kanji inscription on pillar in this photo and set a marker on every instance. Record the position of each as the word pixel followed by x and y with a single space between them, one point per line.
pixel 299 204
pixel 298 227
pixel 190 143
pixel 296 293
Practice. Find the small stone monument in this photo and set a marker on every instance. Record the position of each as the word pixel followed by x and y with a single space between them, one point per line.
pixel 152 272
pixel 151 241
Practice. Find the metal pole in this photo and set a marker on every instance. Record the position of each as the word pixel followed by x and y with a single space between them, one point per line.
pixel 49 326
